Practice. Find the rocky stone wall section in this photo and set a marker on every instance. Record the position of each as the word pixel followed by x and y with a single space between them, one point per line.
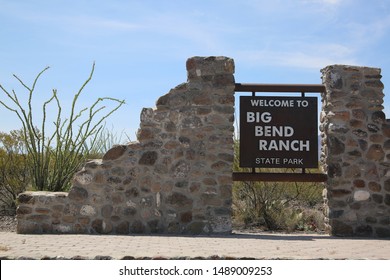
pixel 356 151
pixel 176 179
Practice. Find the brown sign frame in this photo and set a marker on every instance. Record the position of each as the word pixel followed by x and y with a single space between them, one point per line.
pixel 277 176
pixel 278 132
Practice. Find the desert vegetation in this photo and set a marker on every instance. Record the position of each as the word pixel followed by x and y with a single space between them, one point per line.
pixel 294 206
pixel 45 153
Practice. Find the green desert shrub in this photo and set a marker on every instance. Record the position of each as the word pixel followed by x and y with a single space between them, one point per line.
pixel 277 205
pixel 14 171
pixel 55 153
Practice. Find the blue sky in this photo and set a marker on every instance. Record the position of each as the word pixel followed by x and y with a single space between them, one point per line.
pixel 140 47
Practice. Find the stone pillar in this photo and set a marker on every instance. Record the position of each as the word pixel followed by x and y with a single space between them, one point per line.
pixel 356 151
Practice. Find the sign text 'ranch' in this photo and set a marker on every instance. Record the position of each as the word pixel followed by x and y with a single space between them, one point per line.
pixel 278 132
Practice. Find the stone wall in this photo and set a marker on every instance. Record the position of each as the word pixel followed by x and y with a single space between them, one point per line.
pixel 176 179
pixel 356 151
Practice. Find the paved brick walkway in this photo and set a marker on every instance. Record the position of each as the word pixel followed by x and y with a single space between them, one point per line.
pixel 258 246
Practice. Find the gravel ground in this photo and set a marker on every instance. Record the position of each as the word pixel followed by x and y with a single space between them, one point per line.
pixel 7 223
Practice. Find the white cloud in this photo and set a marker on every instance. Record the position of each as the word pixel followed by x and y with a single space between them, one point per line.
pixel 332 2
pixel 325 2
pixel 306 57
pixel 82 23
pixel 369 31
pixel 66 20
pixel 103 23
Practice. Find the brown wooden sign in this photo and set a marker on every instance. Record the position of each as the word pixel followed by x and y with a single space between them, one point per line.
pixel 278 132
